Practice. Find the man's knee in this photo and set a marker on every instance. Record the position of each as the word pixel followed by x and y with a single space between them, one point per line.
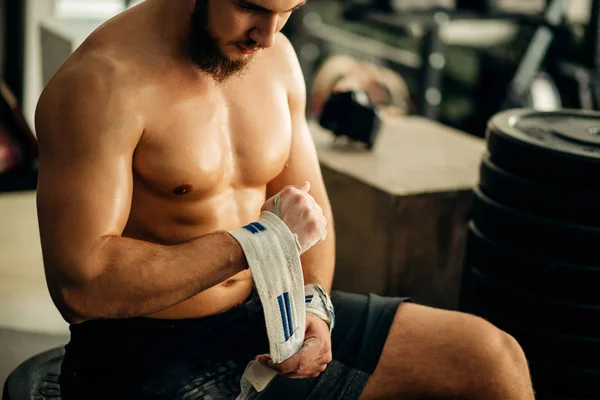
pixel 494 346
pixel 494 359
pixel 435 353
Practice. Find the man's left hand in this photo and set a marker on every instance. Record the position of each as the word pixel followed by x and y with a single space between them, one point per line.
pixel 313 357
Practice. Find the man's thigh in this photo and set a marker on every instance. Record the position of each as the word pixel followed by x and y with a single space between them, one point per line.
pixel 435 353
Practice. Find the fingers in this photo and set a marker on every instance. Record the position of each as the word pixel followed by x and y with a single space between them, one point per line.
pixel 309 362
pixel 313 203
pixel 263 359
pixel 298 375
pixel 287 367
pixel 306 187
pixel 307 371
pixel 322 218
pixel 301 213
pixel 304 199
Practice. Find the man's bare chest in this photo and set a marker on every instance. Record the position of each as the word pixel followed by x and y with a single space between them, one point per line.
pixel 209 144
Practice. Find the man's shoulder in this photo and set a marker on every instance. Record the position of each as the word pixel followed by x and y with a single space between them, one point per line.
pixel 88 73
pixel 284 55
pixel 284 44
pixel 95 63
pixel 283 50
pixel 90 86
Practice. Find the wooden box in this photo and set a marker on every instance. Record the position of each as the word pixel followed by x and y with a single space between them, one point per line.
pixel 400 211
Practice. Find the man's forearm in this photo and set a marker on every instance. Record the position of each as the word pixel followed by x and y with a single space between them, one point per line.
pixel 138 278
pixel 318 264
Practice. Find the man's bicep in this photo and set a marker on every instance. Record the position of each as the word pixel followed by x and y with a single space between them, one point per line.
pixel 80 200
pixel 85 177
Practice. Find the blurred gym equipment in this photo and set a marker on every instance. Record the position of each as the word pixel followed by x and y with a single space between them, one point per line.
pixel 464 61
pixel 532 266
pixel 350 98
pixel 351 114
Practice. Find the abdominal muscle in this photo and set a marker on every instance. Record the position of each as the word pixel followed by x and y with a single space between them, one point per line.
pixel 193 221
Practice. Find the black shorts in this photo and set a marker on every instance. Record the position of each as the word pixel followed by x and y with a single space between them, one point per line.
pixel 204 358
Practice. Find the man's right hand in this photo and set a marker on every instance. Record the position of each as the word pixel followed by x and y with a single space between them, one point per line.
pixel 301 213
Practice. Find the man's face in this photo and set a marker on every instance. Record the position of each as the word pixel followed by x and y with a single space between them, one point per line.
pixel 226 34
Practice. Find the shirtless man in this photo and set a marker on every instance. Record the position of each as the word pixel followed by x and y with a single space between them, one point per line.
pixel 175 123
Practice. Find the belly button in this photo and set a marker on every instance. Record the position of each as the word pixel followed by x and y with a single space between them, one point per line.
pixel 183 189
pixel 229 283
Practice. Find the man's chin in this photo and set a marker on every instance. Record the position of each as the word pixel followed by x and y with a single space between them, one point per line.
pixel 227 70
pixel 239 58
pixel 222 63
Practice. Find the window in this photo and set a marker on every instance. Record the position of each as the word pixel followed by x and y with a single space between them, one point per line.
pixel 88 9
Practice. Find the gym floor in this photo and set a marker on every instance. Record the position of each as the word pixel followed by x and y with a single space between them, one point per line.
pixel 29 322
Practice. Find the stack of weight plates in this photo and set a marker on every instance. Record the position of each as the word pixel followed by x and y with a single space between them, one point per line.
pixel 533 256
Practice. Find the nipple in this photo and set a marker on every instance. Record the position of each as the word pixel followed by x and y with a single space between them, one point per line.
pixel 183 189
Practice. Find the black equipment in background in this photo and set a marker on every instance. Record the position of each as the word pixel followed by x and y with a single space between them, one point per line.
pixel 481 7
pixel 532 267
pixel 549 66
pixel 532 62
pixel 14 47
pixel 352 115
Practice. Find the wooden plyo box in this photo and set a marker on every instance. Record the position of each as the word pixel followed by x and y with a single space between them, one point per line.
pixel 400 211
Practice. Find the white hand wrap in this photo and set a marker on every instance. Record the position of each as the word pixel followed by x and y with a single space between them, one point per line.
pixel 319 303
pixel 273 254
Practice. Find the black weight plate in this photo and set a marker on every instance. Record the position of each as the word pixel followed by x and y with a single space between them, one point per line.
pixel 536 275
pixel 546 346
pixel 36 378
pixel 566 204
pixel 535 235
pixel 559 380
pixel 560 147
pixel 487 296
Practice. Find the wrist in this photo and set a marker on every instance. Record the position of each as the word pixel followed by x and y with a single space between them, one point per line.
pixel 312 318
pixel 319 304
pixel 237 257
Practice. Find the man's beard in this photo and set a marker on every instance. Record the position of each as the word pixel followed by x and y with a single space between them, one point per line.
pixel 203 47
